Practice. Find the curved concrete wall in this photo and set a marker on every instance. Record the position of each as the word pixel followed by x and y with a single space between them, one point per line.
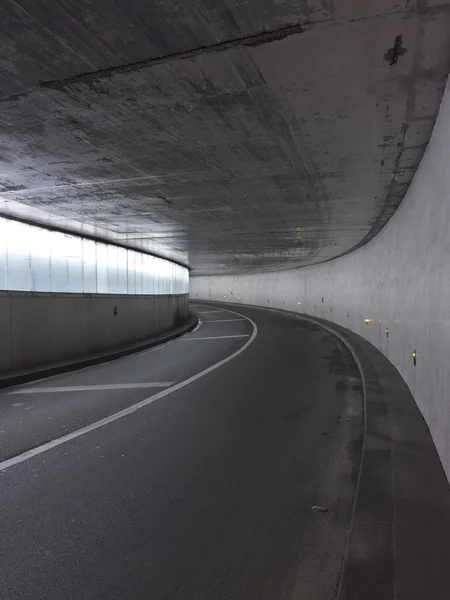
pixel 400 281
pixel 42 328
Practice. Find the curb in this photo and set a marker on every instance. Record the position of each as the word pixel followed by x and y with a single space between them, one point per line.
pixel 18 378
pixel 398 543
pixel 357 360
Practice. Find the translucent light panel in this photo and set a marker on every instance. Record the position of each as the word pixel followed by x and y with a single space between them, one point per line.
pixel 34 259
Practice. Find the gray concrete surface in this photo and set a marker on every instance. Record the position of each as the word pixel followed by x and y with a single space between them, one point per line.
pixel 21 376
pixel 400 282
pixel 399 543
pixel 236 137
pixel 38 329
pixel 205 493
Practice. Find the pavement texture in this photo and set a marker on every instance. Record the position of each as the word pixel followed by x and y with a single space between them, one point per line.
pixel 399 539
pixel 239 485
pixel 399 545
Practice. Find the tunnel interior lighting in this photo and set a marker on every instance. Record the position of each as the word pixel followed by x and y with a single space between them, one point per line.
pixel 37 259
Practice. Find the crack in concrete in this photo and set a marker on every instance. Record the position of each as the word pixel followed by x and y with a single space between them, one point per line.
pixel 257 39
pixel 254 40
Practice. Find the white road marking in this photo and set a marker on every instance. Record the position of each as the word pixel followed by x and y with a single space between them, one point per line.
pixel 127 411
pixel 199 324
pixel 86 388
pixel 208 312
pixel 122 358
pixel 218 337
pixel 223 321
pixel 159 347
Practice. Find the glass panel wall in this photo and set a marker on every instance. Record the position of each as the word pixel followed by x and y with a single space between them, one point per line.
pixel 35 259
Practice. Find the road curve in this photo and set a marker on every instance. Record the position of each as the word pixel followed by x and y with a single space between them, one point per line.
pixel 221 465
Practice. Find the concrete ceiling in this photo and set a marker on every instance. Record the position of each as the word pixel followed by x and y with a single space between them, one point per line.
pixel 229 135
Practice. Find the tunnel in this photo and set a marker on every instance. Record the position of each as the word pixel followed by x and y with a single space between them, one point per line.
pixel 225 300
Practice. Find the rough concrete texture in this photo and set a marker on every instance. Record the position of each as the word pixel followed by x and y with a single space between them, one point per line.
pixel 44 328
pixel 399 282
pixel 233 136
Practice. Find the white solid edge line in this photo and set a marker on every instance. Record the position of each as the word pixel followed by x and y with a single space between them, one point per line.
pixel 208 312
pixel 218 337
pixel 92 388
pixel 127 411
pixel 222 321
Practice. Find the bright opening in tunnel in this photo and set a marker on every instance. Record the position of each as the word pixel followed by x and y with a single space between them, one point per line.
pixel 37 259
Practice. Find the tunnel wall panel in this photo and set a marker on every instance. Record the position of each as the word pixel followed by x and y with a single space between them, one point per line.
pixel 37 259
pixel 39 328
pixel 400 281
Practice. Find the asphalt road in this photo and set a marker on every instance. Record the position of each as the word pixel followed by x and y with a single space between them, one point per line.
pixel 206 490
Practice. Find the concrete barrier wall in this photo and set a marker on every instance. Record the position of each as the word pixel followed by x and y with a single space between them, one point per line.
pixel 42 328
pixel 400 281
